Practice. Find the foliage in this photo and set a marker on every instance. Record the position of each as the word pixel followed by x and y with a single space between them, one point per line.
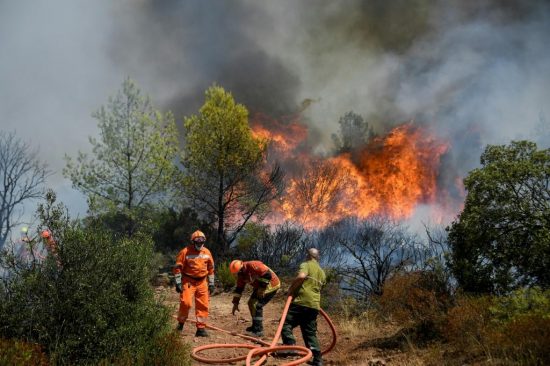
pixel 22 176
pixel 501 240
pixel 133 161
pixel 525 340
pixel 174 228
pixel 419 299
pixel 89 301
pixel 224 165
pixel 354 133
pixel 521 303
pixel 506 328
pixel 17 353
pixel 165 350
pixel 227 279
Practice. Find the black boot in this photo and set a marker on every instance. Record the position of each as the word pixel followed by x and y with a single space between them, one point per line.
pixel 201 332
pixel 317 360
pixel 179 328
pixel 256 329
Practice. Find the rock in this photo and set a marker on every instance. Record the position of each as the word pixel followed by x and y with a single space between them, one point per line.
pixel 377 362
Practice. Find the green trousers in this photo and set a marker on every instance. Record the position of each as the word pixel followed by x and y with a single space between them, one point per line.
pixel 306 318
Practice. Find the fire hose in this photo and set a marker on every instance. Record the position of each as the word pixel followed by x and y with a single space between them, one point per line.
pixel 266 348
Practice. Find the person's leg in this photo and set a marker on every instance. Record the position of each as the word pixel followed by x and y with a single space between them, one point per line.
pixel 308 326
pixel 292 320
pixel 256 307
pixel 256 314
pixel 186 298
pixel 201 308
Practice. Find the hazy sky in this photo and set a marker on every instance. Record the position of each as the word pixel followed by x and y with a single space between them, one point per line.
pixel 477 72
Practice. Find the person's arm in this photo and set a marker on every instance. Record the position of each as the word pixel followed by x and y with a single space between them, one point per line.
pixel 296 284
pixel 210 266
pixel 238 293
pixel 178 268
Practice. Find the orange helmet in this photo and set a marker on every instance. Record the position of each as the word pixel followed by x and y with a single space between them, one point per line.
pixel 45 234
pixel 198 236
pixel 235 266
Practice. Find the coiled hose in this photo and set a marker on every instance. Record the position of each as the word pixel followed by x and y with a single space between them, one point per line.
pixel 265 348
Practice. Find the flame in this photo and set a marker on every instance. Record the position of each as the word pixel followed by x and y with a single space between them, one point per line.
pixel 391 176
pixel 283 137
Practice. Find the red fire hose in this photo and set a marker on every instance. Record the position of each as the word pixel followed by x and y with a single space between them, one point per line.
pixel 266 348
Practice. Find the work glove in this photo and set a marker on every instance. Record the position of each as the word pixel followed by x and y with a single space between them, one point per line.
pixel 211 287
pixel 177 277
pixel 235 308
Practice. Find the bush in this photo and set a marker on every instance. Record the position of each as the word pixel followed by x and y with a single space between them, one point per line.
pixel 467 323
pixel 416 299
pixel 521 327
pixel 525 340
pixel 91 302
pixel 225 277
pixel 17 353
pixel 522 302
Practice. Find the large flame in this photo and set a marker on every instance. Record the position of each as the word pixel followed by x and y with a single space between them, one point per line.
pixel 390 176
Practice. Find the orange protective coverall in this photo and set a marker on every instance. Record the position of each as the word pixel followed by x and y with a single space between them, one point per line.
pixel 195 266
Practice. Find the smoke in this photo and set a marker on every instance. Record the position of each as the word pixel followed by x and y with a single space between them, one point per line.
pixel 474 72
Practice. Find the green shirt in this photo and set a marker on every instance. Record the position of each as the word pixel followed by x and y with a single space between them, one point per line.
pixel 309 294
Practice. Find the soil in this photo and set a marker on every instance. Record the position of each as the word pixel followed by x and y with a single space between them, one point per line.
pixel 349 350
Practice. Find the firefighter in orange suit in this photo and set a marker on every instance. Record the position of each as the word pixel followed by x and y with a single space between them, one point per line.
pixel 265 284
pixel 194 267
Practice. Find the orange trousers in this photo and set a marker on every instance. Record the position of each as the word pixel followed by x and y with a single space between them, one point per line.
pixel 198 289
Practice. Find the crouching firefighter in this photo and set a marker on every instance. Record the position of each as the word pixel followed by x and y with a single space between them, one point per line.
pixel 194 266
pixel 265 284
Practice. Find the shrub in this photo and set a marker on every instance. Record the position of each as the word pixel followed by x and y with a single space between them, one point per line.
pixel 521 327
pixel 17 353
pixel 525 340
pixel 225 277
pixel 467 323
pixel 415 297
pixel 91 302
pixel 522 302
pixel 417 300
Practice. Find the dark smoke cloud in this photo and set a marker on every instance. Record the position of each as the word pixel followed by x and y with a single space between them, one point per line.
pixel 476 72
pixel 183 47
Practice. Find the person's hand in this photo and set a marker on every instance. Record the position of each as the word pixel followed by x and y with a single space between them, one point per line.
pixel 211 289
pixel 260 293
pixel 235 308
pixel 177 278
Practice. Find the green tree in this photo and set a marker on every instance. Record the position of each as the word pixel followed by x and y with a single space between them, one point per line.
pixel 90 302
pixel 133 160
pixel 354 133
pixel 501 240
pixel 224 162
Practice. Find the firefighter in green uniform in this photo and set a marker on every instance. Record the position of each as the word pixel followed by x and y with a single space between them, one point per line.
pixel 306 292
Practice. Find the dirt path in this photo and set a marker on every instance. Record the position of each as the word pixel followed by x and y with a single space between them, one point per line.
pixel 346 352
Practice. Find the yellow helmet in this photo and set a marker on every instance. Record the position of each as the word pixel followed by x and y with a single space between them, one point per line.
pixel 235 266
pixel 198 236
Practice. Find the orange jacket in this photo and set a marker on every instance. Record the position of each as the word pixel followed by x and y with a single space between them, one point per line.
pixel 194 263
pixel 257 274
